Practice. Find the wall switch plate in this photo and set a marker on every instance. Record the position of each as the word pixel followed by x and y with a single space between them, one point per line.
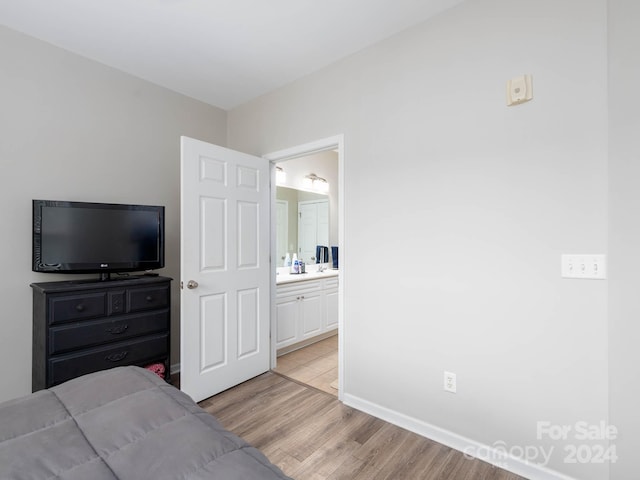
pixel 591 266
pixel 450 382
pixel 519 90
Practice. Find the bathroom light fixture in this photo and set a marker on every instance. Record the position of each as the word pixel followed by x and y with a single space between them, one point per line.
pixel 314 182
pixel 281 176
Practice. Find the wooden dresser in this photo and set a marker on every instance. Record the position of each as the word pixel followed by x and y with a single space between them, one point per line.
pixel 84 326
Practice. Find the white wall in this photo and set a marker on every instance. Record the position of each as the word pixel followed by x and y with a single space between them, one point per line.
pixel 624 231
pixel 457 210
pixel 73 129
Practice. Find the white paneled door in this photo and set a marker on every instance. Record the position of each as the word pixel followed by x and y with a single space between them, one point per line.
pixel 313 228
pixel 224 272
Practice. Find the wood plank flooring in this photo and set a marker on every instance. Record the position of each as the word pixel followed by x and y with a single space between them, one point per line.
pixel 310 435
pixel 315 365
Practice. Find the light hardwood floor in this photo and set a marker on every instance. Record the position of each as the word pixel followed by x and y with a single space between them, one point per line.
pixel 315 365
pixel 310 435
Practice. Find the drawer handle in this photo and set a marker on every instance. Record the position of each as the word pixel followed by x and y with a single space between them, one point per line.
pixel 116 357
pixel 118 329
pixel 80 307
pixel 149 298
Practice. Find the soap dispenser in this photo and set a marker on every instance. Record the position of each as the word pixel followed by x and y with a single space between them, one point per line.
pixel 287 260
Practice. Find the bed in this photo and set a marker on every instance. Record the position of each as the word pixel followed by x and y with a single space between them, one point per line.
pixel 123 423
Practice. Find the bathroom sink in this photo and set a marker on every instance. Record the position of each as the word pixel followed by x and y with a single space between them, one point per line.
pixel 310 274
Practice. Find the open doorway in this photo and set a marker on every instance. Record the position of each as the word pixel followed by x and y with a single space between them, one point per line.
pixel 307 324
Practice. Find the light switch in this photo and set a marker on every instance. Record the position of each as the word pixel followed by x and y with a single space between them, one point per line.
pixel 584 266
pixel 519 90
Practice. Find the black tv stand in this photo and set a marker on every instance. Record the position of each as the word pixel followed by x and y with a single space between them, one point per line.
pixel 84 326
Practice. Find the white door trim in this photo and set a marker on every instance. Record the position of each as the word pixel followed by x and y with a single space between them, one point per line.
pixel 330 143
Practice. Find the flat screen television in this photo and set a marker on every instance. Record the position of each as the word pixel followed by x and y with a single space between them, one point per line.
pixel 105 238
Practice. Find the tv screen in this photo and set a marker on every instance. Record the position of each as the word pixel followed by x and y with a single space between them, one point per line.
pixel 82 237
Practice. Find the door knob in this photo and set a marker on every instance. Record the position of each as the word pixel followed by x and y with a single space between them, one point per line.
pixel 191 284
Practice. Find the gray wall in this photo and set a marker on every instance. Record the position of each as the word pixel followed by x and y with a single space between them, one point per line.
pixel 624 233
pixel 463 206
pixel 74 129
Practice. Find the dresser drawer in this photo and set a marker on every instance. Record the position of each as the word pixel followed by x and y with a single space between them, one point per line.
pixel 135 351
pixel 147 298
pixel 73 336
pixel 77 307
pixel 89 325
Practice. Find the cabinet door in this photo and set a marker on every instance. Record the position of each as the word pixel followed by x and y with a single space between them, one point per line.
pixel 311 313
pixel 286 321
pixel 331 309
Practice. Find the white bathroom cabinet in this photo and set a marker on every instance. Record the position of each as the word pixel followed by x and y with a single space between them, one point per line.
pixel 306 311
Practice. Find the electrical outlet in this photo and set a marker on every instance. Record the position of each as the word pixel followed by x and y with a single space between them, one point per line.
pixel 450 382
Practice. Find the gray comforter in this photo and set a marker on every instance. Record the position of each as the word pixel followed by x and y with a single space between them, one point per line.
pixel 124 423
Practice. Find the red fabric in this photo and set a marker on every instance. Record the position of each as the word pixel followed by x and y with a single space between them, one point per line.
pixel 157 368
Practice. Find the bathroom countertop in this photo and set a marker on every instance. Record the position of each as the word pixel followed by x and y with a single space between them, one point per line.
pixel 283 277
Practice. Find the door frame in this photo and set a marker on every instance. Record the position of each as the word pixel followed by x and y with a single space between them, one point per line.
pixel 335 142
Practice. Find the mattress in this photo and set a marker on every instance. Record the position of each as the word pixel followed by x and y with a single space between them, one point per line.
pixel 124 423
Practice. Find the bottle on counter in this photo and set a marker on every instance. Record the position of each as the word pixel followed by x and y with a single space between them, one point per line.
pixel 287 260
pixel 295 264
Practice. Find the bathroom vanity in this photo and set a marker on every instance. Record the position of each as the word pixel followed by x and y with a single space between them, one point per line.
pixel 306 308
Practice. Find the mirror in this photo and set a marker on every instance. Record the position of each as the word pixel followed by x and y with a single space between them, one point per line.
pixel 292 192
pixel 292 233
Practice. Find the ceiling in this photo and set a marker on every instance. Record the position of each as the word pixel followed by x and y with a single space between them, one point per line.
pixel 223 52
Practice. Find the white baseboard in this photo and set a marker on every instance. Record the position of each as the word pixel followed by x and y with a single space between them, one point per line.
pixel 458 442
